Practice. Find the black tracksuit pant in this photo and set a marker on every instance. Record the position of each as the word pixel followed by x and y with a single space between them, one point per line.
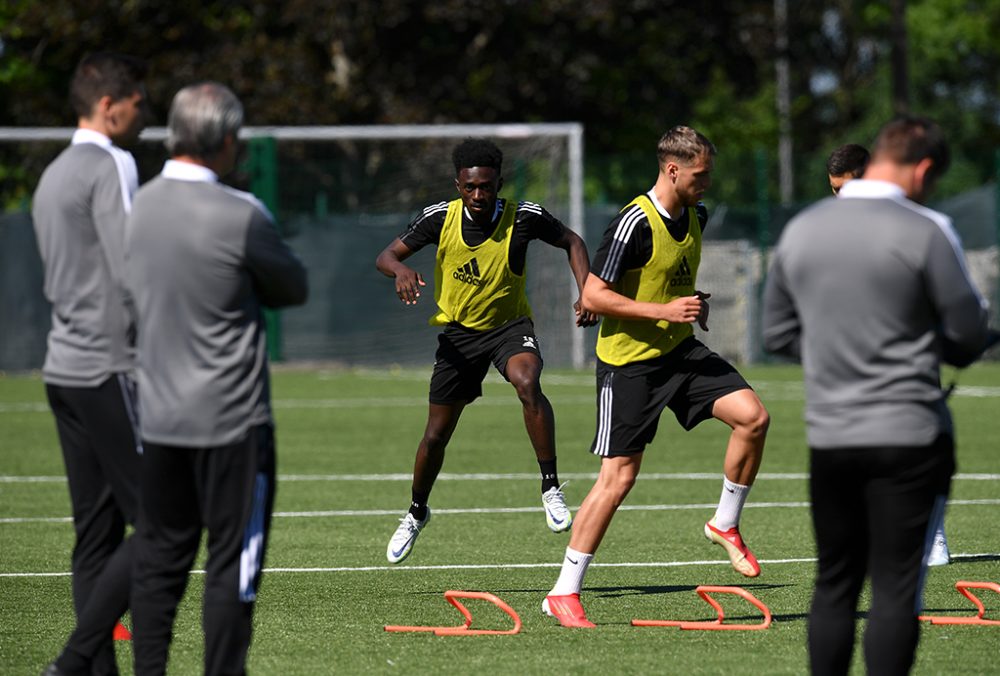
pixel 229 492
pixel 874 513
pixel 97 432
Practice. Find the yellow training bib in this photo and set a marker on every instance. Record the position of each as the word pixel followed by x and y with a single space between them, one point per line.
pixel 474 285
pixel 670 273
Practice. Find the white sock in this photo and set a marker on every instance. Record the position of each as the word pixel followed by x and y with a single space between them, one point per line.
pixel 727 515
pixel 574 567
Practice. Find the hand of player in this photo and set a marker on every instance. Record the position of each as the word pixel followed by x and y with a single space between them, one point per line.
pixel 684 310
pixel 703 317
pixel 584 317
pixel 408 283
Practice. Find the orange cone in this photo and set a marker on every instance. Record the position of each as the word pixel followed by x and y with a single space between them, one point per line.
pixel 121 633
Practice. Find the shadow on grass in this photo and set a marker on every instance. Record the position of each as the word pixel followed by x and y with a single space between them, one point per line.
pixel 974 558
pixel 617 592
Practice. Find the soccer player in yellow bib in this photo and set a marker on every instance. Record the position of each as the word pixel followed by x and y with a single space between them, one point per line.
pixel 643 282
pixel 479 287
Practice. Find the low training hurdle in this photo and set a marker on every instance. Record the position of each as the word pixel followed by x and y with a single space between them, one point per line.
pixel 963 587
pixel 452 597
pixel 716 624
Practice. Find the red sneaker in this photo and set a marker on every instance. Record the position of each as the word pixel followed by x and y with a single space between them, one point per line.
pixel 567 610
pixel 740 555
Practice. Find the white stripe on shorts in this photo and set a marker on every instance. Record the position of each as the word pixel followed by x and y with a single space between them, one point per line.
pixel 603 437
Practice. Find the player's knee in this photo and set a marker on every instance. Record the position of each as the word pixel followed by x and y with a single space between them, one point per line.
pixel 761 422
pixel 755 422
pixel 618 484
pixel 528 389
pixel 435 440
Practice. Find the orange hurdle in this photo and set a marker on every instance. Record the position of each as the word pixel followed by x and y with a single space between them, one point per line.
pixel 452 597
pixel 716 624
pixel 964 587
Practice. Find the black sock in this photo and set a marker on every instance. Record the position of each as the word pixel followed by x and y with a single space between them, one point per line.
pixel 418 505
pixel 550 478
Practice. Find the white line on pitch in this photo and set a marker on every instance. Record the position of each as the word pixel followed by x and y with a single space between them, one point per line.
pixel 956 558
pixel 502 510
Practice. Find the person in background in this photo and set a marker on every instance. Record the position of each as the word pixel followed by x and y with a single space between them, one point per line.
pixel 871 292
pixel 203 261
pixel 79 212
pixel 846 163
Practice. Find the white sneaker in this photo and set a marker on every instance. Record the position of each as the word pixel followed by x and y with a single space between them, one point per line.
pixel 557 514
pixel 404 537
pixel 939 556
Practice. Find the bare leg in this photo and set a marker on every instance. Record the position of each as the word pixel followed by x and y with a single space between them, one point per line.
pixel 441 422
pixel 616 478
pixel 524 373
pixel 745 413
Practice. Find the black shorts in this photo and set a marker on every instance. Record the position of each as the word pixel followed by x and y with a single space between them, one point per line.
pixel 463 357
pixel 630 398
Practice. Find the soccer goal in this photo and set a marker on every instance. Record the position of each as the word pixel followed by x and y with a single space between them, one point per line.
pixel 341 193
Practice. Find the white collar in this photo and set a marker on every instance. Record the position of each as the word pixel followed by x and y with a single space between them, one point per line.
pixel 187 171
pixel 91 136
pixel 660 208
pixel 496 211
pixel 871 189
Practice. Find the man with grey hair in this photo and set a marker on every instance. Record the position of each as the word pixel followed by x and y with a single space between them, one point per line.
pixel 872 293
pixel 79 213
pixel 203 260
pixel 643 281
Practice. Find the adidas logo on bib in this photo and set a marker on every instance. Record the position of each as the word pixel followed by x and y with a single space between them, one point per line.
pixel 469 273
pixel 683 275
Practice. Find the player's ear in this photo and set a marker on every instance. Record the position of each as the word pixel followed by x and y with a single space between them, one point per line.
pixel 458 186
pixel 499 183
pixel 924 176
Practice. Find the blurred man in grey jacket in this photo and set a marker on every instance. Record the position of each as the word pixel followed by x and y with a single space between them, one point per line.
pixel 202 261
pixel 872 293
pixel 79 212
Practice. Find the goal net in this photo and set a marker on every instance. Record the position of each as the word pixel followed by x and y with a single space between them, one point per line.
pixel 341 194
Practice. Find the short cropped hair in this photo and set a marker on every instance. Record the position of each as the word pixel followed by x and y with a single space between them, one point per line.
pixel 848 159
pixel 104 74
pixel 201 117
pixel 476 152
pixel 908 140
pixel 683 144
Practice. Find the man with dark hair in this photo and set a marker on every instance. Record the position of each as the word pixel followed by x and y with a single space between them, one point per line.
pixel 846 163
pixel 479 287
pixel 79 212
pixel 203 259
pixel 643 283
pixel 879 285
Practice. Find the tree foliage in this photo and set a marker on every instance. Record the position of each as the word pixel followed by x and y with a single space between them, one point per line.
pixel 626 69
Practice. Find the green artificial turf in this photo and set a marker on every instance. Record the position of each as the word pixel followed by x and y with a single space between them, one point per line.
pixel 346 441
